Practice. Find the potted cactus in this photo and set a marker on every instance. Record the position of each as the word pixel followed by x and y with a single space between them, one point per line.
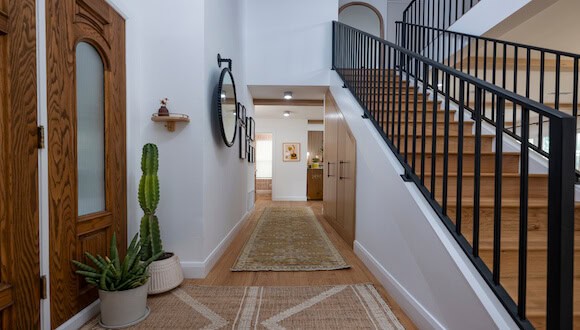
pixel 122 284
pixel 165 271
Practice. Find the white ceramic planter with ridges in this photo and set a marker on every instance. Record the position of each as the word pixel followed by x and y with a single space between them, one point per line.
pixel 165 275
pixel 120 309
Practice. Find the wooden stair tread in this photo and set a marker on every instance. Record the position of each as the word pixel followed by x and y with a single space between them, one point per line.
pixel 471 174
pixel 537 241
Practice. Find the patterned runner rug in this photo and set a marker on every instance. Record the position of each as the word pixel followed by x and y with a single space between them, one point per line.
pixel 289 239
pixel 319 307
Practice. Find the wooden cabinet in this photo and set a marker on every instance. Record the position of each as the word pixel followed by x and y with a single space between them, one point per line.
pixel 315 184
pixel 340 178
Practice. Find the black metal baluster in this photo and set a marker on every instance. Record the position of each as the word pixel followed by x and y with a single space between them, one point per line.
pixel 389 84
pixel 383 68
pixel 557 84
pixel 523 229
pixel 446 143
pixel 493 76
pixel 542 77
pixel 498 189
pixel 459 206
pixel 477 171
pixel 435 79
pixel 515 90
pixel 407 108
pixel 400 98
pixel 424 121
pixel 415 101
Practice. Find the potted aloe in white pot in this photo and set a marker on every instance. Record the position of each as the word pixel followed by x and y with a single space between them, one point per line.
pixel 165 271
pixel 122 284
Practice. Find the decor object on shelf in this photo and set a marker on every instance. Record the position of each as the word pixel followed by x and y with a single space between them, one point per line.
pixel 163 111
pixel 227 104
pixel 122 284
pixel 165 271
pixel 291 151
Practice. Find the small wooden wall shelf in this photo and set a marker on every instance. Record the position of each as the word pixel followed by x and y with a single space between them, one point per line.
pixel 170 120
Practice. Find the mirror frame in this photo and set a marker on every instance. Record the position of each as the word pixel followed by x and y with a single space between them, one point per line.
pixel 219 107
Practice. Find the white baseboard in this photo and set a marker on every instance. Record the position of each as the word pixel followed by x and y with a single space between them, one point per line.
pixel 82 317
pixel 200 269
pixel 413 308
pixel 289 198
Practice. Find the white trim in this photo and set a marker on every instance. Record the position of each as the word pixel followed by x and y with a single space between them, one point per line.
pixel 82 317
pixel 200 269
pixel 412 307
pixel 42 114
pixel 289 198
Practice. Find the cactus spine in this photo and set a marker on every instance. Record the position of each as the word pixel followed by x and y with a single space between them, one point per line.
pixel 148 200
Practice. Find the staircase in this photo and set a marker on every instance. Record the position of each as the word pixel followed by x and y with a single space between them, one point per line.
pixel 450 131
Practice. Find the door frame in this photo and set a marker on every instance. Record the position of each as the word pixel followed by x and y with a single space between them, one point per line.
pixel 89 312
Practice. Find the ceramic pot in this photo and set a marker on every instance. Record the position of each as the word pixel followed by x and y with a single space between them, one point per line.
pixel 166 274
pixel 121 309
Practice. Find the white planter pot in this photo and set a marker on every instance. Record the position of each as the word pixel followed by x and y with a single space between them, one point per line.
pixel 121 309
pixel 165 275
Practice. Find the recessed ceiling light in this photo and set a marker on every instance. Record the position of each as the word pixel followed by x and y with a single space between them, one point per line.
pixel 286 113
pixel 288 95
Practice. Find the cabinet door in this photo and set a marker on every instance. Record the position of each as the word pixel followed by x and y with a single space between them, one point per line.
pixel 346 183
pixel 330 158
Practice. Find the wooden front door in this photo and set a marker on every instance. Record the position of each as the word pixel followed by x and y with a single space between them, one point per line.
pixel 86 143
pixel 19 215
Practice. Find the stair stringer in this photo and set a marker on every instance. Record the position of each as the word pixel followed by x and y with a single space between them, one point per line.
pixel 404 243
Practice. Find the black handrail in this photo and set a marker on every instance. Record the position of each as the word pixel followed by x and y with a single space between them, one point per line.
pixel 393 86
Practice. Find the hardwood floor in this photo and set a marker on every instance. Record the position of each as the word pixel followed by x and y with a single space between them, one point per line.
pixel 221 274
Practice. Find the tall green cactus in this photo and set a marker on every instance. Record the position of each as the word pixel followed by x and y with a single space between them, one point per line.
pixel 148 199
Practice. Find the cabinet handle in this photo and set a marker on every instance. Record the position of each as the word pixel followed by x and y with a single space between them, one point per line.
pixel 340 177
pixel 328 169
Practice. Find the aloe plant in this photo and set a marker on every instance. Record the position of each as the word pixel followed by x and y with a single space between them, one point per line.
pixel 148 200
pixel 112 273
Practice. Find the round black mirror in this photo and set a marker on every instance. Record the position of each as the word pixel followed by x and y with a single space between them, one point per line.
pixel 227 105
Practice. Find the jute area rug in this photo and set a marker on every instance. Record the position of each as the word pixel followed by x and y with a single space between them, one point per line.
pixel 320 307
pixel 289 239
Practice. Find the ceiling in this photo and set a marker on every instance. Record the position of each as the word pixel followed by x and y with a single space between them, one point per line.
pixel 299 92
pixel 296 112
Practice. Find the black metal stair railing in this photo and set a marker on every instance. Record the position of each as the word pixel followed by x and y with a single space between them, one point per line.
pixel 544 75
pixel 407 98
pixel 437 13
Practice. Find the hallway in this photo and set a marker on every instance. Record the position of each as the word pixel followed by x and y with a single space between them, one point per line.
pixel 221 276
pixel 358 273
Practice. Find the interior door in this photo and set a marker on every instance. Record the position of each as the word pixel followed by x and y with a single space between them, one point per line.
pixel 19 215
pixel 86 143
pixel 346 183
pixel 331 118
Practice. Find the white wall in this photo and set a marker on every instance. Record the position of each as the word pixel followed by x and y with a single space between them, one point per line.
pixel 225 175
pixel 289 42
pixel 485 15
pixel 403 242
pixel 174 55
pixel 288 178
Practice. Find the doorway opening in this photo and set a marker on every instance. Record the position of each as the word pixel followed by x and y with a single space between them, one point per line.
pixel 264 166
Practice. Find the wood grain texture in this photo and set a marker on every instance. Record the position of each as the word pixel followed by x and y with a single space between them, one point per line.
pixel 68 23
pixel 6 296
pixel 358 273
pixel 19 218
pixel 4 23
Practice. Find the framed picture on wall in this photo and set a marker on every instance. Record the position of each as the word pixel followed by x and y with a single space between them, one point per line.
pixel 291 152
pixel 243 142
pixel 251 131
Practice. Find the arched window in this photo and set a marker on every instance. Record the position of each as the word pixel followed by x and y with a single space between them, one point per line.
pixel 90 112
